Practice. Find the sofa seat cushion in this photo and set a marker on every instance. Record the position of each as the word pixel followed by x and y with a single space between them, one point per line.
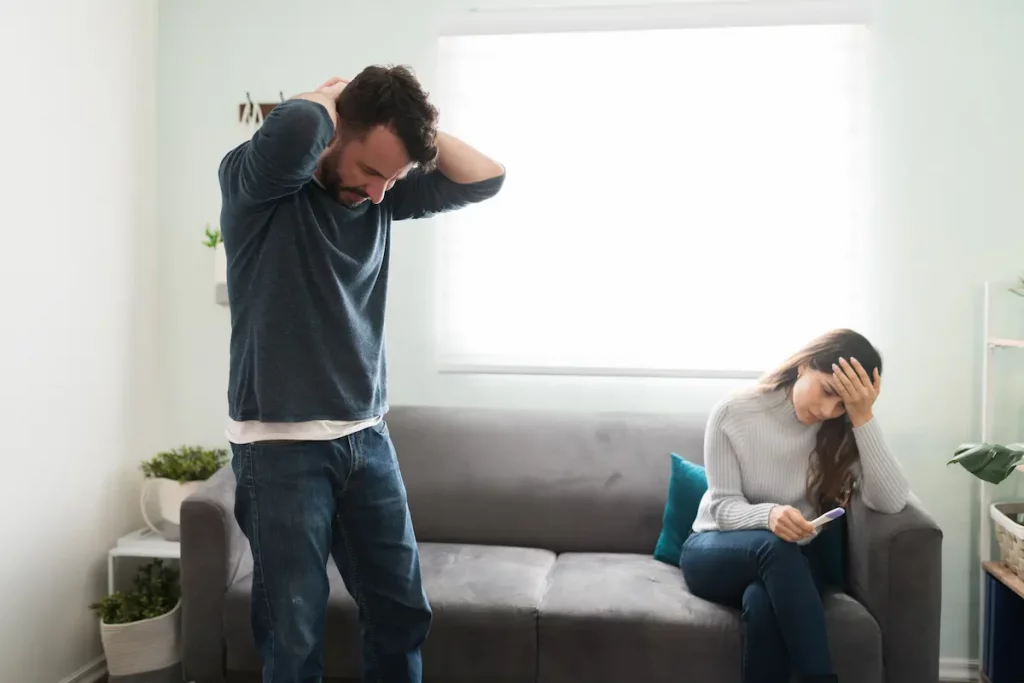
pixel 485 601
pixel 608 618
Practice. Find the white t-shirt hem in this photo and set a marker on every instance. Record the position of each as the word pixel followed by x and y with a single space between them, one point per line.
pixel 252 431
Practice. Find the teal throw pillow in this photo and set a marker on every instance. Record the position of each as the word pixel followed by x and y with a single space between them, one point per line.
pixel 686 486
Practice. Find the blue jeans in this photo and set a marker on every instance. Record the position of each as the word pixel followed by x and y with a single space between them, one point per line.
pixel 779 592
pixel 299 502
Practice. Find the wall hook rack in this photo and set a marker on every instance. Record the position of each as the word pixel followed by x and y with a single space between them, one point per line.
pixel 252 113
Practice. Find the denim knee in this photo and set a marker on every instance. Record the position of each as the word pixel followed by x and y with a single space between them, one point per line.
pixel 757 607
pixel 417 625
pixel 775 551
pixel 296 626
pixel 401 627
pixel 421 623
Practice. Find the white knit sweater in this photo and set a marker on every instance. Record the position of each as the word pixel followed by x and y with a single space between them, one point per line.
pixel 756 453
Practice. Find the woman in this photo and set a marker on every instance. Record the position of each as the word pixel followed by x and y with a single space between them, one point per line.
pixel 777 456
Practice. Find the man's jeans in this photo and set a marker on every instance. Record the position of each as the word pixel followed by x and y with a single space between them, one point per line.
pixel 299 502
pixel 778 588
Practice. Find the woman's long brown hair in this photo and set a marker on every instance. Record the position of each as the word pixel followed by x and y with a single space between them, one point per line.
pixel 830 472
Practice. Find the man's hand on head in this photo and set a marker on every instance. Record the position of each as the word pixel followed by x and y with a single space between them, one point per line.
pixel 327 95
pixel 332 87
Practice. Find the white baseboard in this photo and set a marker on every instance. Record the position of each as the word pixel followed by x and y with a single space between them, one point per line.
pixel 955 670
pixel 90 673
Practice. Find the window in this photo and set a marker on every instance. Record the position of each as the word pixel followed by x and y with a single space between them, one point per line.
pixel 680 201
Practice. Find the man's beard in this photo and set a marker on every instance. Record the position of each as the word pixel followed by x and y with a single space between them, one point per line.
pixel 332 182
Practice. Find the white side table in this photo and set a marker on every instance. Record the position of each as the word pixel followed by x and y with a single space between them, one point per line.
pixel 143 543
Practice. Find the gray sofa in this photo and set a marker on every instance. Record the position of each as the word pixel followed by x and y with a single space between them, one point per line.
pixel 536 533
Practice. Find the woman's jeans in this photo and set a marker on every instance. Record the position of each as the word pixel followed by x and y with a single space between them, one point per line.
pixel 773 582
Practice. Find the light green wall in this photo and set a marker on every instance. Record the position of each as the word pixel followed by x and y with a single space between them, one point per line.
pixel 950 213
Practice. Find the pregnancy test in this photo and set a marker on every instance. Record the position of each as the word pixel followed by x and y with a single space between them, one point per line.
pixel 828 517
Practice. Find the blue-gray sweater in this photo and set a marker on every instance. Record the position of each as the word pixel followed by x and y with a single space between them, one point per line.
pixel 307 276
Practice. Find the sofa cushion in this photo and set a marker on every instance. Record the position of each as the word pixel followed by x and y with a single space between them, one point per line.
pixel 564 481
pixel 687 484
pixel 618 617
pixel 485 601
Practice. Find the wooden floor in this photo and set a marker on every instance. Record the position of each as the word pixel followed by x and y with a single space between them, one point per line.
pixel 104 680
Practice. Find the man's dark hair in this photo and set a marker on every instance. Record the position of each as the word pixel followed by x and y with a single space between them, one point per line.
pixel 391 96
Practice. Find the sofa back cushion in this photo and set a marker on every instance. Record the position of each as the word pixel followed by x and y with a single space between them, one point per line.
pixel 564 481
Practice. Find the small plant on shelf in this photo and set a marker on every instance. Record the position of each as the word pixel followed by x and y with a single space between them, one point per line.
pixel 188 463
pixel 213 237
pixel 155 592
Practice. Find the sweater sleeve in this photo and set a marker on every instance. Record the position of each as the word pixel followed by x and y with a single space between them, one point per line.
pixel 726 503
pixel 883 486
pixel 280 158
pixel 422 195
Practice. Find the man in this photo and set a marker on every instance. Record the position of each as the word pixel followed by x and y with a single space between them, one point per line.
pixel 306 219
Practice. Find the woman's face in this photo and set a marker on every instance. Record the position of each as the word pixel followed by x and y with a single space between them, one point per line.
pixel 814 397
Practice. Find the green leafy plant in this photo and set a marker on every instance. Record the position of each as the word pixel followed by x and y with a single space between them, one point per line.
pixel 155 592
pixel 213 237
pixel 188 463
pixel 1019 289
pixel 989 462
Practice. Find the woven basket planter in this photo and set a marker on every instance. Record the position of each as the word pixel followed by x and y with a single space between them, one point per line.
pixel 1009 534
pixel 141 646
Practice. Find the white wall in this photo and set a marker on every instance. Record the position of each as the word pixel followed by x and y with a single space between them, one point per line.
pixel 78 382
pixel 949 215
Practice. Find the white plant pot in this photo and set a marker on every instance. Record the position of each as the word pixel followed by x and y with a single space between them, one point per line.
pixel 220 274
pixel 220 264
pixel 141 646
pixel 169 496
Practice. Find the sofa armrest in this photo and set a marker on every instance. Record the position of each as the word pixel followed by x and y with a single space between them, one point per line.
pixel 212 550
pixel 895 571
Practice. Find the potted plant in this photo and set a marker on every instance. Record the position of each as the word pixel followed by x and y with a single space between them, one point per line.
pixel 1019 289
pixel 215 241
pixel 174 475
pixel 141 628
pixel 989 462
pixel 993 463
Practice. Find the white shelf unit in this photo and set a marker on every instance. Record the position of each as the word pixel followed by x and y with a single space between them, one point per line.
pixel 992 345
pixel 143 543
pixel 997 343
